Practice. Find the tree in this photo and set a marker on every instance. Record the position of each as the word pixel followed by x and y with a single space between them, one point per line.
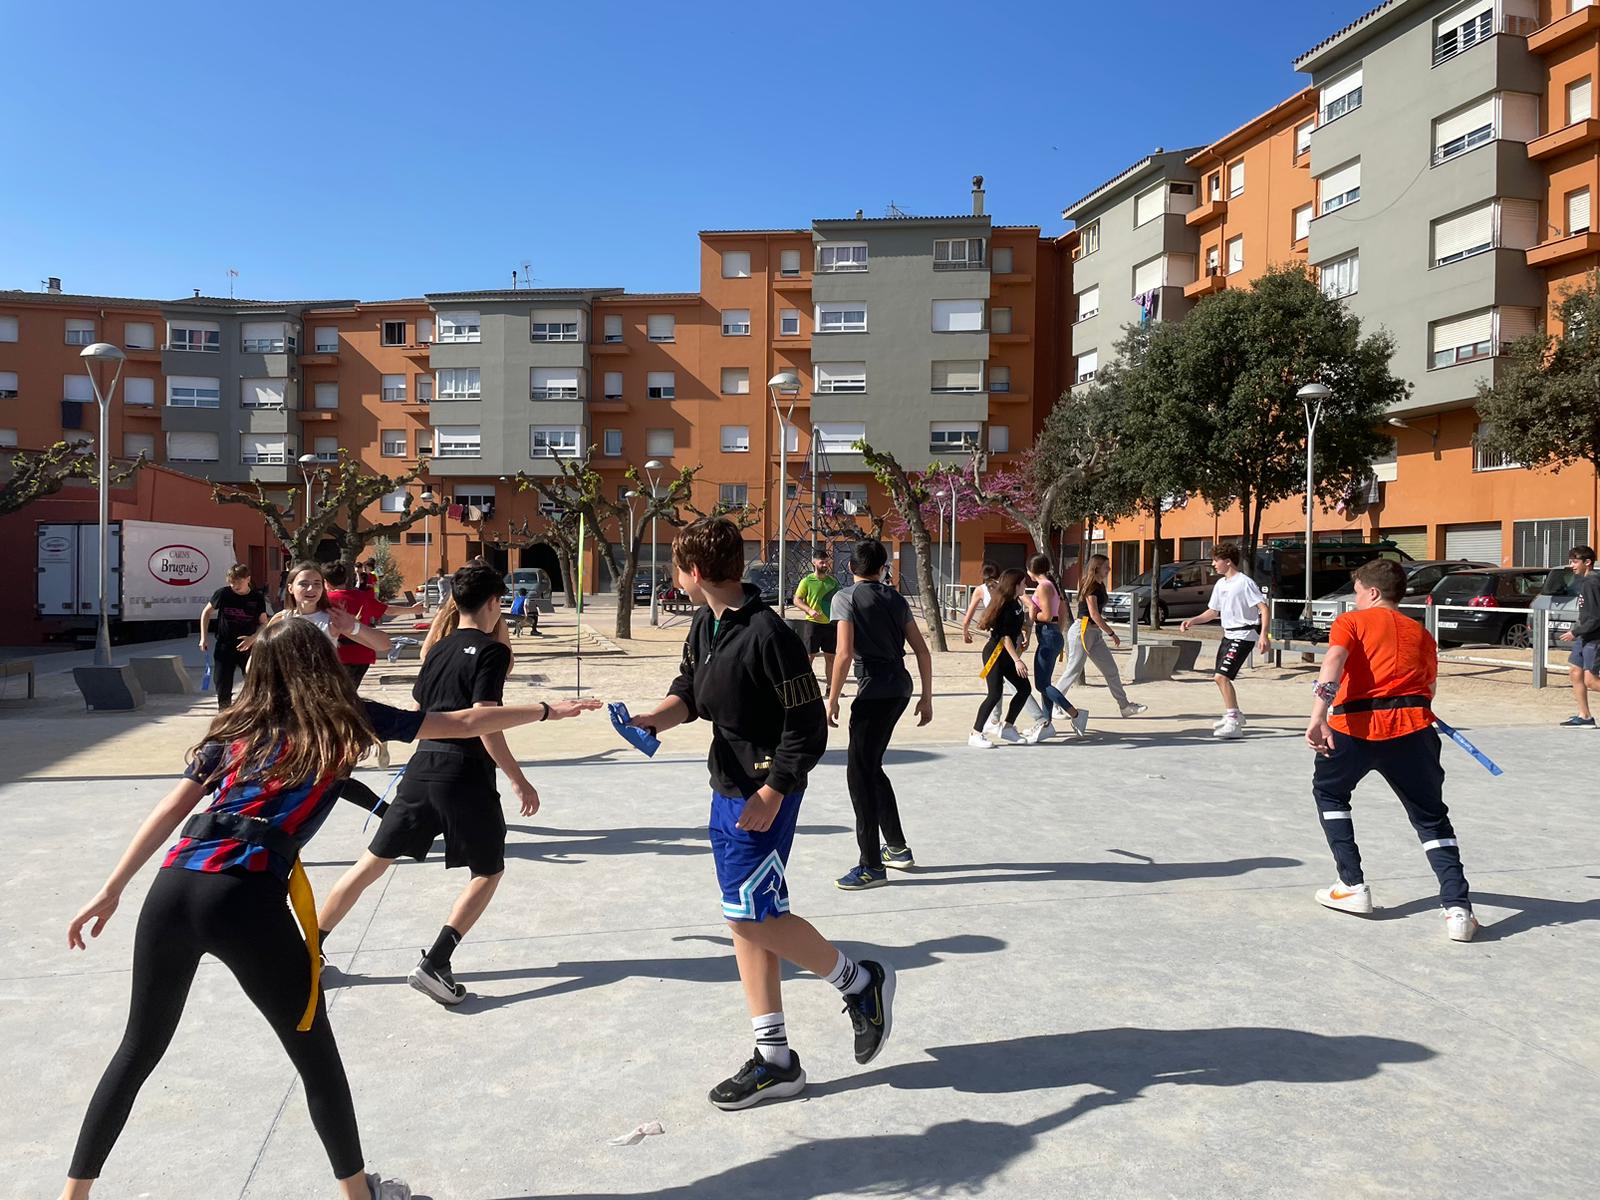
pixel 910 494
pixel 390 581
pixel 39 473
pixel 560 534
pixel 1545 410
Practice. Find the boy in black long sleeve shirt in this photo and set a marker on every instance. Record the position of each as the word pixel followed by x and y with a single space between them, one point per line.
pixel 1584 661
pixel 747 673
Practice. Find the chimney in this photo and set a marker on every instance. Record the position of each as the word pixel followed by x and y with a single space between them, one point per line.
pixel 53 285
pixel 977 195
pixel 859 214
pixel 197 293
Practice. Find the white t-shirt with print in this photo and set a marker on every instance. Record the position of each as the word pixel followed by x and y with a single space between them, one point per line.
pixel 323 620
pixel 1236 598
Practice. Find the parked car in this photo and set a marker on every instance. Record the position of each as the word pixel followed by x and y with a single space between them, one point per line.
pixel 1559 597
pixel 764 576
pixel 1281 573
pixel 641 585
pixel 1185 590
pixel 1421 578
pixel 535 579
pixel 1487 606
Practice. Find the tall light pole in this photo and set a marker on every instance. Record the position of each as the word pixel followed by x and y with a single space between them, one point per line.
pixel 787 382
pixel 426 497
pixel 103 352
pixel 1318 394
pixel 649 468
pixel 308 464
pixel 938 562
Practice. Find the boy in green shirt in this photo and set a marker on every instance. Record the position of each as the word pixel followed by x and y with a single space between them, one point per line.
pixel 814 597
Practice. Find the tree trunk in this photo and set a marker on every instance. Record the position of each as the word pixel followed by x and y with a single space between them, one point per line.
pixel 1155 571
pixel 924 545
pixel 569 573
pixel 624 588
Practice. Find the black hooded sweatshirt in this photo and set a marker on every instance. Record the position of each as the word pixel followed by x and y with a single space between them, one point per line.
pixel 751 678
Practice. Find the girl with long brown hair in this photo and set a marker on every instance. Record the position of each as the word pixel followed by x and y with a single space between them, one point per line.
pixel 1045 604
pixel 1002 658
pixel 270 764
pixel 308 600
pixel 1086 640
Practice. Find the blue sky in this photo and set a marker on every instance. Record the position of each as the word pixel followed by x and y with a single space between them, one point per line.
pixel 382 150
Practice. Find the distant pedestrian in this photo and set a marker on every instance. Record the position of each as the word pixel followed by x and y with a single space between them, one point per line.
pixel 240 610
pixel 519 611
pixel 1246 626
pixel 814 597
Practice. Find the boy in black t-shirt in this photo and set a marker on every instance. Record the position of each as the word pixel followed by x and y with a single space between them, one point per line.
pixel 449 785
pixel 240 611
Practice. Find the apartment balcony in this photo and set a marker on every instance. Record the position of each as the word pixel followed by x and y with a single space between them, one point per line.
pixel 312 415
pixel 1564 30
pixel 1009 339
pixel 1560 250
pixel 144 354
pixel 1011 279
pixel 1573 137
pixel 320 358
pixel 610 404
pixel 1206 285
pixel 417 350
pixel 1214 209
pixel 608 349
pixel 792 341
pixel 142 412
pixel 1008 397
pixel 800 282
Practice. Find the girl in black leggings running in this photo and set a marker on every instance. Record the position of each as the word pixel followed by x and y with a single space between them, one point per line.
pixel 1002 658
pixel 272 763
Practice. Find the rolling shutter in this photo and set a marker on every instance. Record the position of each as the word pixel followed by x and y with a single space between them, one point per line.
pixel 1088 302
pixel 1480 543
pixel 1337 183
pixel 1458 125
pixel 1463 331
pixel 1341 87
pixel 1519 224
pixel 1413 541
pixel 1579 103
pixel 1150 205
pixel 1517 323
pixel 1148 276
pixel 1578 212
pixel 963 376
pixel 192 447
pixel 1466 231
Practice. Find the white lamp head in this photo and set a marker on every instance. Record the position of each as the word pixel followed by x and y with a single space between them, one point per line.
pixel 426 496
pixel 785 381
pixel 1398 423
pixel 1314 391
pixel 307 461
pixel 655 464
pixel 104 351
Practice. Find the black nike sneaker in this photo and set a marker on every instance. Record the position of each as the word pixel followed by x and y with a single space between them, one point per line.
pixel 872 1010
pixel 437 985
pixel 759 1081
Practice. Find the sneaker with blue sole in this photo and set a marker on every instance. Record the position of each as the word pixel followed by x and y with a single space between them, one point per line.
pixel 859 879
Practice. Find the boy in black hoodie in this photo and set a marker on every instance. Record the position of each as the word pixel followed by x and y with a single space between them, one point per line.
pixel 745 671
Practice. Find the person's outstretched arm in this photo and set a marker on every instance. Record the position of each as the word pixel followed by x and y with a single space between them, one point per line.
pixel 490 719
pixel 1210 614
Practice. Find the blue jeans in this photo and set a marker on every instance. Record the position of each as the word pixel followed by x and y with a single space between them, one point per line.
pixel 1047 651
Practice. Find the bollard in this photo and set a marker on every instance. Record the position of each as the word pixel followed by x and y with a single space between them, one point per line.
pixel 1541 645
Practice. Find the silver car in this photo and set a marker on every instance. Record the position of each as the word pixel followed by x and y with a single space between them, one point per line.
pixel 1185 590
pixel 1559 597
pixel 1420 580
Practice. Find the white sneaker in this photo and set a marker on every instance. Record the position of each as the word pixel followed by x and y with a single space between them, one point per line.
pixel 1039 733
pixel 978 742
pixel 1008 733
pixel 1224 719
pixel 1080 723
pixel 1460 924
pixel 387 1189
pixel 1229 731
pixel 1133 710
pixel 1350 898
pixel 992 729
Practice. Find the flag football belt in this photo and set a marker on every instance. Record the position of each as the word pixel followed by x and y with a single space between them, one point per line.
pixel 253 831
pixel 999 649
pixel 1382 703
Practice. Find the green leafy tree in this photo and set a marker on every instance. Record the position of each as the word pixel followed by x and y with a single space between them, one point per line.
pixel 390 581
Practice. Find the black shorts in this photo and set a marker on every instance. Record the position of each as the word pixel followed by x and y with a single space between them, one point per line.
pixel 822 639
pixel 449 794
pixel 1232 655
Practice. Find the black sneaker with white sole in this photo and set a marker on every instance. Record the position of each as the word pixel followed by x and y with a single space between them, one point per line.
pixel 437 985
pixel 872 1010
pixel 759 1081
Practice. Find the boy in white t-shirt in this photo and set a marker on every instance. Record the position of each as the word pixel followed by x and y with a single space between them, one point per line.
pixel 1243 608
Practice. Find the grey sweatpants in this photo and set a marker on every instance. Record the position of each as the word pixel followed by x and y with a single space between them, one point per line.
pixel 1092 646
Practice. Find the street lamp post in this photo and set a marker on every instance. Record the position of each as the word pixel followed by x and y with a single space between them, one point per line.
pixel 308 463
pixel 649 468
pixel 426 497
pixel 938 561
pixel 1318 394
pixel 103 352
pixel 787 382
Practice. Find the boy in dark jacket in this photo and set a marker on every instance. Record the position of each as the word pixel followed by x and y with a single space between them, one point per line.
pixel 1584 661
pixel 747 673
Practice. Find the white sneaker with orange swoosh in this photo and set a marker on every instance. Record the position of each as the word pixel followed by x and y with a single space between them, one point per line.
pixel 1346 897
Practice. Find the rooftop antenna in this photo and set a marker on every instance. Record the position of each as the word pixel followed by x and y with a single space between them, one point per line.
pixel 894 210
pixel 232 275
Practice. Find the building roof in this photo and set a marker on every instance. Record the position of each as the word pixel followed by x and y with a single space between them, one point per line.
pixel 958 217
pixel 18 296
pixel 251 305
pixel 1304 101
pixel 747 232
pixel 1137 171
pixel 1360 27
pixel 529 294
pixel 624 297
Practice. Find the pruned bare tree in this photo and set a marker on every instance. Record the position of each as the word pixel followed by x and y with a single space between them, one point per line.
pixel 39 473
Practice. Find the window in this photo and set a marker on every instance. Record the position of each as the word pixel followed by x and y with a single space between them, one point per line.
pixel 661 385
pixel 460 326
pixel 545 326
pixel 458 441
pixel 999 439
pixel 661 327
pixel 204 336
pixel 481 497
pixel 1235 255
pixel 1002 264
pixel 1462 339
pixel 846 498
pixel 1463 235
pixel 1235 178
pixel 394 333
pixel 613 385
pixel 736 439
pixel 848 317
pixel 326 449
pixel 137 391
pixel 424 331
pixel 77 388
pixel 8 439
pixel 1213 261
pixel 193 447
pixel 1088 366
pixel 424 389
pixel 1302 222
pixel 326 395
pixel 8 329
pixel 261 393
pixel 424 443
pixel 1088 239
pixel 733 495
pixel 611 443
pixel 189 391
pixel 135 444
pixel 1214 186
pixel 1577 206
pixel 1463 130
pixel 1340 187
pixel 736 264
pixel 1341 96
pixel 1340 277
pixel 1000 320
pixel 835 377
pixel 791 439
pixel 8 386
pixel 789 323
pixel 1302 138
pixel 736 322
pixel 1547 543
pixel 1580 106
pixel 613 327
pixel 1462 29
pixel 960 376
pixel 557 441
pixel 554 383
pixel 958 254
pixel 735 381
pixel 999 378
pixel 394 388
pixel 137 335
pixel 1165 270
pixel 392 443
pixel 953 436
pixel 1088 302
pixel 788 262
pixel 838 436
pixel 958 316
pixel 834 257
pixel 325 340
pixel 659 443
pixel 1149 205
pixel 393 502
pixel 1486 459
pixel 79 332
pixel 263 450
pixel 265 337
pixel 459 383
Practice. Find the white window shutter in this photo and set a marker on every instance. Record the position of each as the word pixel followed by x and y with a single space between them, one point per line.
pixel 1465 231
pixel 1150 204
pixel 1341 87
pixel 1148 276
pixel 1088 301
pixel 1463 331
pixel 1340 181
pixel 1519 224
pixel 1236 178
pixel 1578 212
pixel 1580 105
pixel 1459 124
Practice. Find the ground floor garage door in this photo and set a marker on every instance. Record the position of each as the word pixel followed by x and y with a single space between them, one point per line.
pixel 1478 542
pixel 1413 541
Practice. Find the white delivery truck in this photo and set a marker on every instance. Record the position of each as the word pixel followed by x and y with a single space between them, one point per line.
pixel 158 572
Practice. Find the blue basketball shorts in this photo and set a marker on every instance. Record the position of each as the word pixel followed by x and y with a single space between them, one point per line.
pixel 752 867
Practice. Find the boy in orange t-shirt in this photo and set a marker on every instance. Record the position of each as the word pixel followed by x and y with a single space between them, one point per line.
pixel 1373 712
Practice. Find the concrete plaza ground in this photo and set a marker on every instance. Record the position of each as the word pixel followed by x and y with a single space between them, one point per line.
pixel 1113 979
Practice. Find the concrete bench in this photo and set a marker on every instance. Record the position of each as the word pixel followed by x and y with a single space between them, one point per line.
pixel 109 689
pixel 18 668
pixel 162 674
pixel 1153 663
pixel 1188 653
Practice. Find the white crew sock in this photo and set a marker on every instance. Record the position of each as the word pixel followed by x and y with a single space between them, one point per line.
pixel 848 977
pixel 1233 714
pixel 772 1039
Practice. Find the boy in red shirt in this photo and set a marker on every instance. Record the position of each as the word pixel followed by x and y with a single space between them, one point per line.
pixel 366 608
pixel 1379 678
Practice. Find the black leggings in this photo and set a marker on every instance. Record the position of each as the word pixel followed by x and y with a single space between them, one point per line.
pixel 1003 671
pixel 242 918
pixel 871 794
pixel 224 661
